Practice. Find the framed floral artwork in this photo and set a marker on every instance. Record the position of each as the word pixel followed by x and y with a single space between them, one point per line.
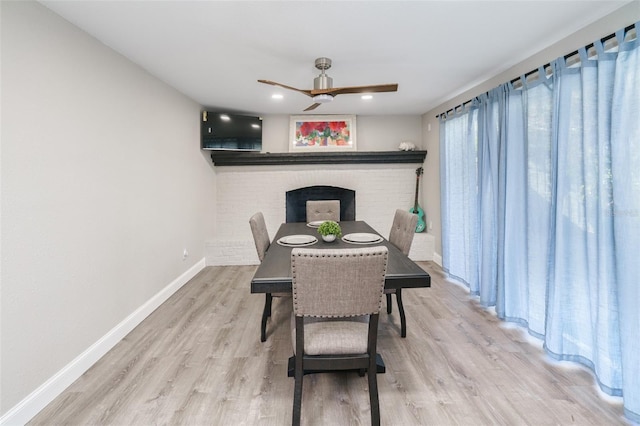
pixel 322 133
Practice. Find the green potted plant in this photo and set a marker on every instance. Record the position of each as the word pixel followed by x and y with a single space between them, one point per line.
pixel 330 230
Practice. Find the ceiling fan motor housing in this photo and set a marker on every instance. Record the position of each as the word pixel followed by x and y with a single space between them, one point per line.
pixel 323 81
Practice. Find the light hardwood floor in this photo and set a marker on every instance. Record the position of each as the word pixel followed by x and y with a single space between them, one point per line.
pixel 198 360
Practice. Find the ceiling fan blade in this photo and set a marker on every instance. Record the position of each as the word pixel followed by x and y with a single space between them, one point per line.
pixel 376 88
pixel 312 107
pixel 273 83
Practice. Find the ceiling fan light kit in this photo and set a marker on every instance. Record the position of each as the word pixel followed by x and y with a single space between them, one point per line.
pixel 323 90
pixel 322 99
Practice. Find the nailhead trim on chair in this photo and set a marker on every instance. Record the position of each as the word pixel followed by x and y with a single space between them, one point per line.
pixel 300 252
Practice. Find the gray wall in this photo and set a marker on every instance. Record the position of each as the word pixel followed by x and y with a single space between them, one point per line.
pixel 621 18
pixel 103 186
pixel 374 133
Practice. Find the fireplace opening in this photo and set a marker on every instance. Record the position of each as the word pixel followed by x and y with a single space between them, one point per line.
pixel 296 208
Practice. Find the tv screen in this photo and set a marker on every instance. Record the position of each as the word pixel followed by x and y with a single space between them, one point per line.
pixel 221 131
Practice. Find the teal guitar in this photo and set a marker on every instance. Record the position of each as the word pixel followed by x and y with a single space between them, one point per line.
pixel 416 209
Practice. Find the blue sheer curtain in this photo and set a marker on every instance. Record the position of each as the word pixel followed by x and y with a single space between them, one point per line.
pixel 528 204
pixel 460 209
pixel 625 211
pixel 541 209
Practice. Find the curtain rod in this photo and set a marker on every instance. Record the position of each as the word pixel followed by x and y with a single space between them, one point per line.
pixel 567 56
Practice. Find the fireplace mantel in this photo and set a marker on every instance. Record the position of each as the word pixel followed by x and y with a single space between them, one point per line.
pixel 227 158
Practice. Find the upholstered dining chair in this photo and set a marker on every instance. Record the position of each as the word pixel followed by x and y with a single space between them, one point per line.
pixel 401 235
pixel 262 241
pixel 323 210
pixel 337 295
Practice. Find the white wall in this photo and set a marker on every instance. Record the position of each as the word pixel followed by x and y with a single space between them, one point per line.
pixel 242 191
pixel 621 18
pixel 103 186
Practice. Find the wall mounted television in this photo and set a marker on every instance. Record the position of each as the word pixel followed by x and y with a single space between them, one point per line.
pixel 230 132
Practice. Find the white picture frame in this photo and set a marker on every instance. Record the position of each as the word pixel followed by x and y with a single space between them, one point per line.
pixel 322 133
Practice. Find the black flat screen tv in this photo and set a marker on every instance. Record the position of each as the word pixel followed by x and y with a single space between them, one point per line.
pixel 231 132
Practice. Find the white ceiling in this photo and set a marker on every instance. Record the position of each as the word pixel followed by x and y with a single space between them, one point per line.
pixel 215 51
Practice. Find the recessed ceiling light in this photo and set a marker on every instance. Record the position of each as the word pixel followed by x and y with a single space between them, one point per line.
pixel 367 97
pixel 277 96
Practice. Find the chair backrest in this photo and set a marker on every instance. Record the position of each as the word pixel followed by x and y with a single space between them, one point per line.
pixel 260 234
pixel 323 210
pixel 335 283
pixel 403 230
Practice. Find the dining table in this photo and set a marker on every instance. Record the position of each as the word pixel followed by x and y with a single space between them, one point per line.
pixel 274 273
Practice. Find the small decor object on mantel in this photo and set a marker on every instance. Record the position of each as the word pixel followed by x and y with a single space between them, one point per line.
pixel 407 146
pixel 322 133
pixel 330 230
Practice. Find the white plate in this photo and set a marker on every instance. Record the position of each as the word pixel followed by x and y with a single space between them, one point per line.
pixel 297 240
pixel 315 223
pixel 362 238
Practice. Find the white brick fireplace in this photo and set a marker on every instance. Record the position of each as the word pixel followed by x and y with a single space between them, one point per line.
pixel 243 190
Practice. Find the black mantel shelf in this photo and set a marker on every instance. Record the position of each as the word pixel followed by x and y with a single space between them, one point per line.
pixel 231 158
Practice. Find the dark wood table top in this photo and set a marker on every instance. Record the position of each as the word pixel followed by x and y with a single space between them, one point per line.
pixel 274 274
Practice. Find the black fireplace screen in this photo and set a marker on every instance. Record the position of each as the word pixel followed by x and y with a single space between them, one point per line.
pixel 297 201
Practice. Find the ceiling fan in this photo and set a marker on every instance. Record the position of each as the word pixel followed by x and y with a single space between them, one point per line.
pixel 323 90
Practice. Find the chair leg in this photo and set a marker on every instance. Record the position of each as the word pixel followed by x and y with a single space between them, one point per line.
pixel 403 320
pixel 266 313
pixel 372 370
pixel 299 372
pixel 389 303
pixel 373 398
pixel 297 396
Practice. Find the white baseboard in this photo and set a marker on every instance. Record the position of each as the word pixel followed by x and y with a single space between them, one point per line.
pixel 26 409
pixel 437 259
